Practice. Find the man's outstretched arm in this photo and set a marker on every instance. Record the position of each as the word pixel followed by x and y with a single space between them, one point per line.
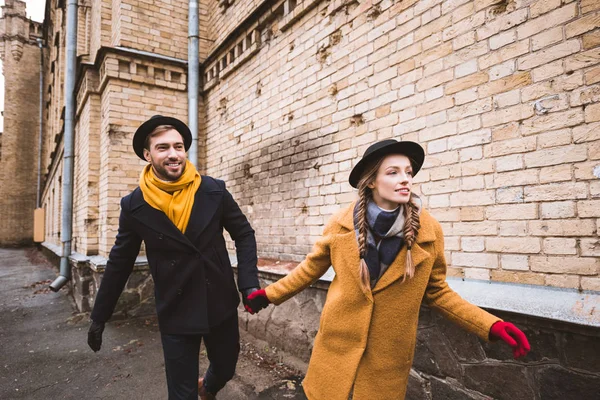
pixel 118 268
pixel 236 223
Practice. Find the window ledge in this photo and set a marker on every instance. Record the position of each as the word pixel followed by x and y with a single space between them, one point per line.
pixel 298 12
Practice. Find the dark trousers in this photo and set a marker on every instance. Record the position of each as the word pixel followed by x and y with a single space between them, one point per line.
pixel 181 359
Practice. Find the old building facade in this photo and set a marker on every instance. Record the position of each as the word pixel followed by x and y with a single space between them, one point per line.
pixel 20 54
pixel 504 95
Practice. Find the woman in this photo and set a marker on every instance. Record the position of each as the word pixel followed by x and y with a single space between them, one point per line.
pixel 388 257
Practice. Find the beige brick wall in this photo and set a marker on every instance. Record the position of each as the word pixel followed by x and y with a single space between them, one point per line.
pixel 222 20
pixel 159 27
pixel 503 95
pixel 100 26
pixel 132 90
pixel 18 176
pixel 112 101
pixel 87 165
pixel 51 202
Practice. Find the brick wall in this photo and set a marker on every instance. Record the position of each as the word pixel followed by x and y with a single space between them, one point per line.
pixel 52 202
pixel 132 90
pixel 157 27
pixel 113 97
pixel 223 16
pixel 87 163
pixel 100 26
pixel 503 95
pixel 18 177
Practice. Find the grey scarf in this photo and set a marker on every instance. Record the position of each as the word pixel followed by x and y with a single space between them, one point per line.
pixel 385 237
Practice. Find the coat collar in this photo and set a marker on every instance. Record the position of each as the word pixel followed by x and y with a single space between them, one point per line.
pixel 426 232
pixel 206 202
pixel 398 267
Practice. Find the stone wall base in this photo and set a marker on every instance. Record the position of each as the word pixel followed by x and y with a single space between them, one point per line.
pixel 451 364
pixel 136 300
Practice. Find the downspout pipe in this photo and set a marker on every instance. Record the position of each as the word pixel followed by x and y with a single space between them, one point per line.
pixel 68 153
pixel 38 201
pixel 193 79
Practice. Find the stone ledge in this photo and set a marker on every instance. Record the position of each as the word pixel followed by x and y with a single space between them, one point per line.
pixel 567 305
pixel 96 263
pixel 137 298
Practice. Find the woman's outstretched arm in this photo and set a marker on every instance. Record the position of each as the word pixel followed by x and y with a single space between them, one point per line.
pixel 442 298
pixel 308 271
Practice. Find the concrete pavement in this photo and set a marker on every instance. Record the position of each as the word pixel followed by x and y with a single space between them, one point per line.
pixel 45 355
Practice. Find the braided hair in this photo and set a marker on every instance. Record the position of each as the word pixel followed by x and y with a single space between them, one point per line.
pixel 364 195
pixel 411 224
pixel 411 230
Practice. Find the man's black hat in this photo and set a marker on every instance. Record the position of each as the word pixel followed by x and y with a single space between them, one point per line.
pixel 139 138
pixel 412 150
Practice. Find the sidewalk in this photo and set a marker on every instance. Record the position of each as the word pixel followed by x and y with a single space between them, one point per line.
pixel 45 354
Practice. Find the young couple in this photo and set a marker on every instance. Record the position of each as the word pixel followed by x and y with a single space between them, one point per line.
pixel 386 249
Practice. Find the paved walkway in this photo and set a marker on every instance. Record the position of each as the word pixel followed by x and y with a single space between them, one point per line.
pixel 45 355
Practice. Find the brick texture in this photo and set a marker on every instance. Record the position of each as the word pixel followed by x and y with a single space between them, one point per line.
pixel 495 155
pixel 505 101
pixel 18 176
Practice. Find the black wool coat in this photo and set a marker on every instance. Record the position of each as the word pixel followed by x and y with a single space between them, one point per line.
pixel 193 280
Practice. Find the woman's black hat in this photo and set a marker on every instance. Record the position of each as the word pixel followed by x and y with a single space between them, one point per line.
pixel 412 150
pixel 139 138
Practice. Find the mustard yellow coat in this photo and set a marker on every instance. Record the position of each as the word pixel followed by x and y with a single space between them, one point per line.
pixel 366 338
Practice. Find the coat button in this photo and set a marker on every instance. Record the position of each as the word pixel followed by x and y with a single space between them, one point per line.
pixel 173 262
pixel 179 292
pixel 160 236
pixel 197 255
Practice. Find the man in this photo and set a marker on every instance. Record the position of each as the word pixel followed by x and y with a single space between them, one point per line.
pixel 180 216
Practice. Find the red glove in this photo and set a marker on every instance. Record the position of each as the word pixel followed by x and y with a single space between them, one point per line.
pixel 257 300
pixel 511 335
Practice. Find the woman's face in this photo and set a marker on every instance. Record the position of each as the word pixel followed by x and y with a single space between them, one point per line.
pixel 393 182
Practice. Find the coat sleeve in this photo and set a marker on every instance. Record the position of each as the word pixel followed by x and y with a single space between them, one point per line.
pixel 236 223
pixel 118 268
pixel 442 298
pixel 308 271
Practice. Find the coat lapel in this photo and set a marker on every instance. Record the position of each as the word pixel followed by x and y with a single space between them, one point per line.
pixel 206 203
pixel 156 219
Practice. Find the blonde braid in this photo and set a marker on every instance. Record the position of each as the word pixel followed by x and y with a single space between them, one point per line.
pixel 412 225
pixel 363 199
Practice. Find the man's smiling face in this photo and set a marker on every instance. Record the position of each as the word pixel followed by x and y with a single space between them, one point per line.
pixel 167 155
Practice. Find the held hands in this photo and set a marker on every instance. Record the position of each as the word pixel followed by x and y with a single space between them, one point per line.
pixel 255 299
pixel 95 335
pixel 513 336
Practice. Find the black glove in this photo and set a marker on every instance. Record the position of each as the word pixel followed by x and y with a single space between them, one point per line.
pixel 245 294
pixel 95 335
pixel 258 300
pixel 255 300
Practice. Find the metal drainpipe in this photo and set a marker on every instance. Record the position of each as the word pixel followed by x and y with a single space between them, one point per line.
pixel 193 79
pixel 39 173
pixel 69 139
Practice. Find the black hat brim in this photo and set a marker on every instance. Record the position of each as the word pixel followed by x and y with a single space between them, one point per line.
pixel 139 138
pixel 412 150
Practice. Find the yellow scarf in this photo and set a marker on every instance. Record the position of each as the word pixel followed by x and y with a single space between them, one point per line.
pixel 175 199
